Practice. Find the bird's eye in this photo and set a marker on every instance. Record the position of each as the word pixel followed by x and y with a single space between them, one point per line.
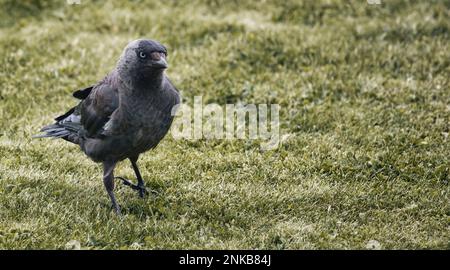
pixel 142 55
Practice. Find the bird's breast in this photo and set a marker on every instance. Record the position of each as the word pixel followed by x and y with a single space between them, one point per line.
pixel 148 135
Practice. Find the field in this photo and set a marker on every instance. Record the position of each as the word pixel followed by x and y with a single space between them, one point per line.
pixel 365 121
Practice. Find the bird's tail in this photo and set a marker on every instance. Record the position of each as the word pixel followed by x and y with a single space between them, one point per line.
pixel 67 127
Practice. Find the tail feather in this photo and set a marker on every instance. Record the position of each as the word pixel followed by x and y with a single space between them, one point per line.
pixel 54 131
pixel 60 134
pixel 50 127
pixel 67 128
pixel 71 126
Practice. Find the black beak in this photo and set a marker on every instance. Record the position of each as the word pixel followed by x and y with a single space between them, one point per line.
pixel 159 60
pixel 162 63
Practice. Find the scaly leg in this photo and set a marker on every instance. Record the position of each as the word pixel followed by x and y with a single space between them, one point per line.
pixel 108 181
pixel 140 187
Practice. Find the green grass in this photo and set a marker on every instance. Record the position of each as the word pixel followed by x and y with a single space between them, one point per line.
pixel 365 118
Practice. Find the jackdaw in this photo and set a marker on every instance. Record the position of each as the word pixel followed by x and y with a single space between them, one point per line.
pixel 123 115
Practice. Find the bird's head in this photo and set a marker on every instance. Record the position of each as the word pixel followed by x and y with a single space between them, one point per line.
pixel 142 59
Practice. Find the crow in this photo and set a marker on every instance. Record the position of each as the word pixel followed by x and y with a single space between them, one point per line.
pixel 124 115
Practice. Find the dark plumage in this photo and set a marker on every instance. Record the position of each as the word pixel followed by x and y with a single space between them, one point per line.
pixel 123 115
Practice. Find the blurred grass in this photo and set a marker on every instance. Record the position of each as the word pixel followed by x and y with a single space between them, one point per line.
pixel 365 99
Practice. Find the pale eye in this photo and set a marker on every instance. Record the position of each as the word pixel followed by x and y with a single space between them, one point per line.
pixel 142 55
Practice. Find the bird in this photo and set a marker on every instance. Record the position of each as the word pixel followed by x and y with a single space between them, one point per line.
pixel 123 115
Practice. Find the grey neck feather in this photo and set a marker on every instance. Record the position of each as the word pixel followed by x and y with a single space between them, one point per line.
pixel 136 95
pixel 141 87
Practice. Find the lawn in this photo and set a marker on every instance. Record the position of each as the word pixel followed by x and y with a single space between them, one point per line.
pixel 364 121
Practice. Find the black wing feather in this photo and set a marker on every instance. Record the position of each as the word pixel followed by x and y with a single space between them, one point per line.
pixel 61 117
pixel 98 106
pixel 83 93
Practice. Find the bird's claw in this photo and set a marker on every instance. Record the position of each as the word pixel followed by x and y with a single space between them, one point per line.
pixel 116 210
pixel 141 189
pixel 127 183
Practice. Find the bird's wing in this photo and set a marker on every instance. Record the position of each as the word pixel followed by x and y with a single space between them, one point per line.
pixel 89 117
pixel 83 93
pixel 98 105
pixel 80 94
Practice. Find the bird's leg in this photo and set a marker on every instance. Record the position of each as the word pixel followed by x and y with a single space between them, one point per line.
pixel 108 181
pixel 140 185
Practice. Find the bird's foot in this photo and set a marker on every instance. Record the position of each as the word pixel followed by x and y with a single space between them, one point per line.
pixel 117 210
pixel 140 188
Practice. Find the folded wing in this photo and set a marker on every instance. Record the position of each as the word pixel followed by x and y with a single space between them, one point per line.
pixel 88 118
